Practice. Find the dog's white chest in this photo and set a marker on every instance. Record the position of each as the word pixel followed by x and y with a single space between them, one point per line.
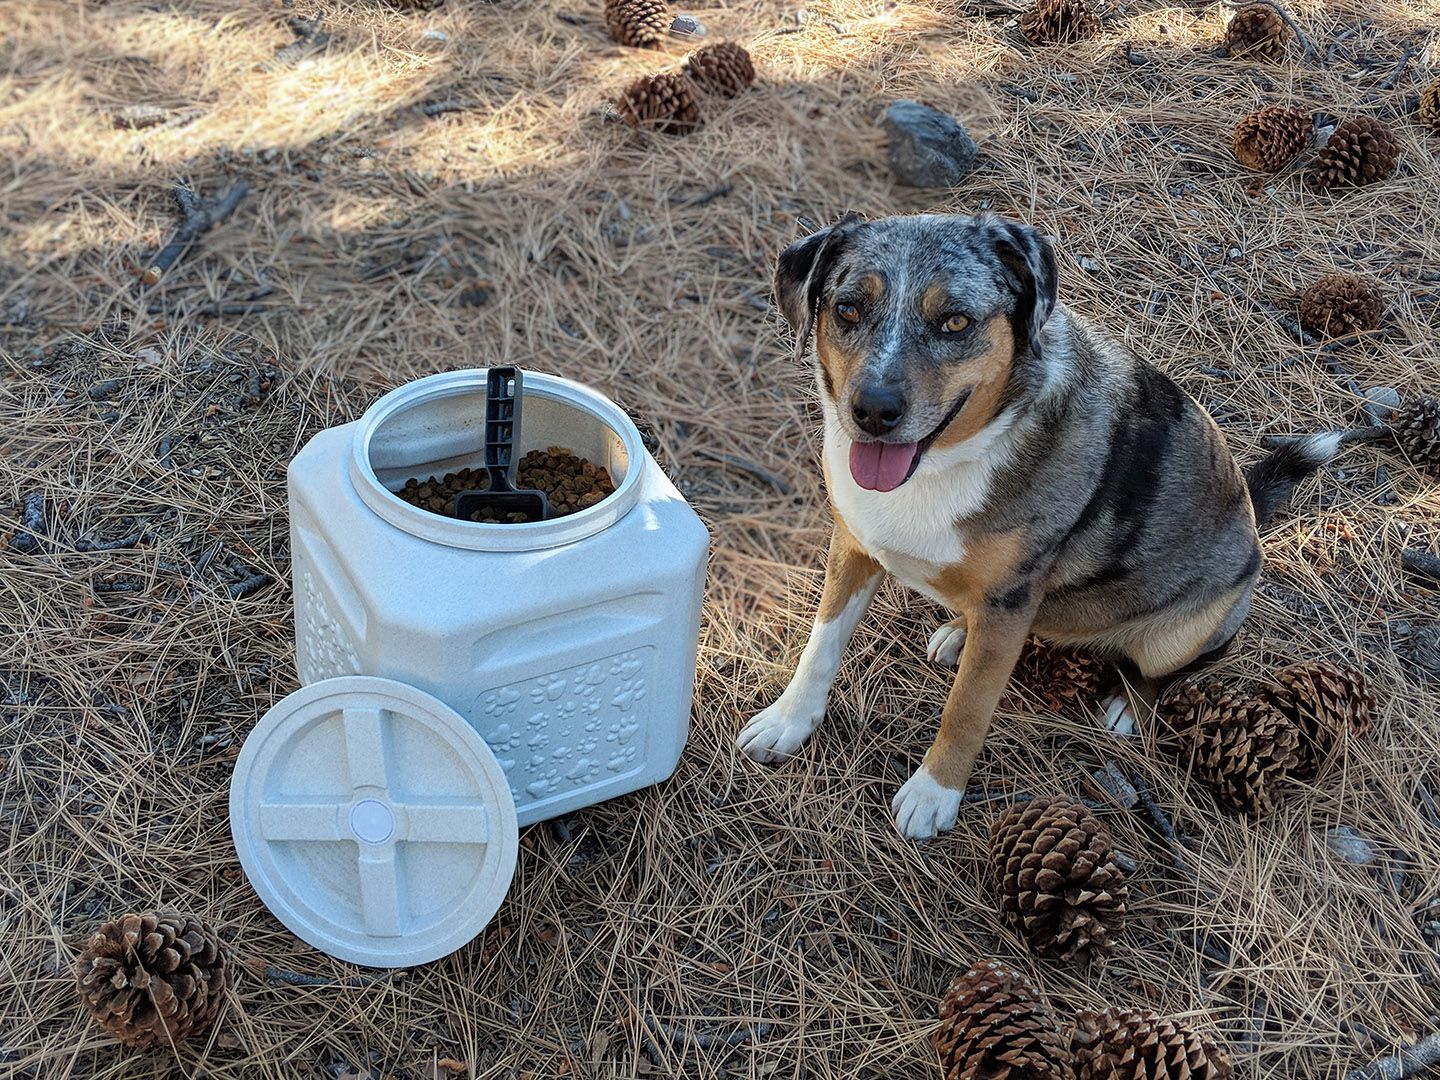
pixel 914 530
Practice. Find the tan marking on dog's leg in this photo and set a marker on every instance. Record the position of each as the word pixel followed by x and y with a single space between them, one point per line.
pixel 929 801
pixel 851 577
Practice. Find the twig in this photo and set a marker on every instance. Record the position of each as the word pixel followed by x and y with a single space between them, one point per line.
pixel 1311 53
pixel 1166 828
pixel 1363 24
pixel 103 587
pixel 248 586
pixel 308 39
pixel 1411 1061
pixel 708 1040
pixel 1022 92
pixel 1388 83
pixel 779 483
pixel 705 197
pixel 440 108
pixel 208 310
pixel 162 453
pixel 280 977
pixel 1421 562
pixel 200 215
pixel 32 520
pixel 112 545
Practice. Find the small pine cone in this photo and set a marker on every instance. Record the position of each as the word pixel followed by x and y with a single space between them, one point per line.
pixel 1268 139
pixel 660 103
pixel 1257 33
pixel 1059 675
pixel 1058 22
pixel 1416 427
pixel 640 24
pixel 1361 150
pixel 153 979
pixel 994 1025
pixel 1242 745
pixel 1060 883
pixel 1341 304
pixel 1428 111
pixel 1327 702
pixel 1136 1044
pixel 724 69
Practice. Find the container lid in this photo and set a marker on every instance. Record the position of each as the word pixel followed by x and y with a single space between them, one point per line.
pixel 373 821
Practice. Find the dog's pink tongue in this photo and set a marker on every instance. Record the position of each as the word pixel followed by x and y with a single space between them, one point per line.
pixel 881 466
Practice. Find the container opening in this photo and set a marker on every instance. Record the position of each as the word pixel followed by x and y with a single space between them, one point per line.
pixel 426 453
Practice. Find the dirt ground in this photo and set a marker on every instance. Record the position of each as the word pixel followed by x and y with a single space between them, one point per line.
pixel 736 921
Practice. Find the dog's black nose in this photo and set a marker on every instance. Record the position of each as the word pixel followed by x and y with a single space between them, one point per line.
pixel 877 409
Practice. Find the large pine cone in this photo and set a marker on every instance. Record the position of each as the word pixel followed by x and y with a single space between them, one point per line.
pixel 1058 21
pixel 1416 426
pixel 1242 745
pixel 153 979
pixel 641 24
pixel 1257 33
pixel 1061 676
pixel 1060 883
pixel 1135 1044
pixel 723 69
pixel 1428 111
pixel 660 103
pixel 1327 702
pixel 993 1026
pixel 1361 150
pixel 1341 304
pixel 1268 139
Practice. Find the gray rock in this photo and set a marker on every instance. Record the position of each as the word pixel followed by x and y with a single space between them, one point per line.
pixel 927 147
pixel 1379 400
pixel 1345 843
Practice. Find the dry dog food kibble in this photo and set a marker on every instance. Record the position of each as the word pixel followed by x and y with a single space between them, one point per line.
pixel 570 483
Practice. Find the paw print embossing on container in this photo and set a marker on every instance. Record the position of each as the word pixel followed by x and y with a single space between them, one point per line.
pixel 547 688
pixel 544 784
pixel 622 759
pixel 498 703
pixel 328 651
pixel 631 691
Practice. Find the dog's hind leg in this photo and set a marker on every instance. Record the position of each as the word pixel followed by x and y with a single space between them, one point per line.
pixel 851 577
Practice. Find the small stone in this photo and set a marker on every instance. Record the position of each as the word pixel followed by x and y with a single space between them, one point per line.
pixel 1380 401
pixel 1089 265
pixel 438 36
pixel 1345 843
pixel 927 147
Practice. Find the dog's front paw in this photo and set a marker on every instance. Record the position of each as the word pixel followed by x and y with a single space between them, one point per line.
pixel 775 734
pixel 946 643
pixel 924 808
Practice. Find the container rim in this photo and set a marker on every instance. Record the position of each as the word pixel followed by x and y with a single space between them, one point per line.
pixel 486 536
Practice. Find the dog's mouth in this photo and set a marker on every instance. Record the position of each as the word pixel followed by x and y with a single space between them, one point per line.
pixel 882 466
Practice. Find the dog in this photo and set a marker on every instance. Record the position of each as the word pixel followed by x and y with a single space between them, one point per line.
pixel 1004 457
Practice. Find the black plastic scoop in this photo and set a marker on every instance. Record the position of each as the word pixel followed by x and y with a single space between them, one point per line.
pixel 502 435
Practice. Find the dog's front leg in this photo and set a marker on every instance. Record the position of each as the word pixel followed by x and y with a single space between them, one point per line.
pixel 929 801
pixel 851 577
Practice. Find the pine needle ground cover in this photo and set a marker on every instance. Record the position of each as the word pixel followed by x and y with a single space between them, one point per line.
pixel 446 188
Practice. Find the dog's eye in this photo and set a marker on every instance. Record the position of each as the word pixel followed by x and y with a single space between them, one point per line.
pixel 955 323
pixel 849 312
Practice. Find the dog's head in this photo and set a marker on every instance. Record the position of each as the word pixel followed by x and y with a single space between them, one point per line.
pixel 926 328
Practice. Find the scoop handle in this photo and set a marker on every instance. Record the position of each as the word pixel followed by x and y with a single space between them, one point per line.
pixel 503 390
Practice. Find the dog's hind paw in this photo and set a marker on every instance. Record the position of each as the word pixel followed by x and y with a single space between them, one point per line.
pixel 775 734
pixel 1119 718
pixel 924 808
pixel 946 643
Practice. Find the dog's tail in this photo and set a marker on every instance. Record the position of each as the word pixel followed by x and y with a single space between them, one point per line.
pixel 1274 477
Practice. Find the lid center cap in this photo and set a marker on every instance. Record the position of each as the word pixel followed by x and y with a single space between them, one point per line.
pixel 372 821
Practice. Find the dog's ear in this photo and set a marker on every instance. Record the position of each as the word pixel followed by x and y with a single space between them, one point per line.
pixel 801 272
pixel 1029 263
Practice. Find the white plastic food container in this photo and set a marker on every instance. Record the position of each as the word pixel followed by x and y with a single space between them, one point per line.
pixel 512 673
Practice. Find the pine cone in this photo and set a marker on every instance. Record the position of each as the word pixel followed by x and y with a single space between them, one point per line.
pixel 153 979
pixel 993 1026
pixel 1341 304
pixel 1326 702
pixel 1257 33
pixel 724 69
pixel 1135 1044
pixel 1416 427
pixel 640 24
pixel 1242 745
pixel 1059 675
pixel 1268 139
pixel 1060 883
pixel 1361 150
pixel 1428 111
pixel 660 103
pixel 1058 21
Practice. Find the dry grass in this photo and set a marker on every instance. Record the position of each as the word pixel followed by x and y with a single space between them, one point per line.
pixel 641 936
